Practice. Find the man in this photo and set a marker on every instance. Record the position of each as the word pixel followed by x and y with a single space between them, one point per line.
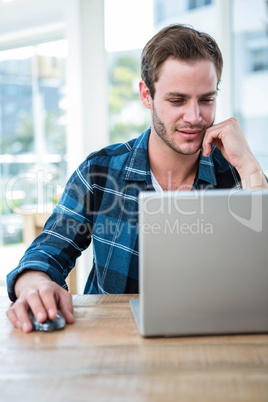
pixel 181 71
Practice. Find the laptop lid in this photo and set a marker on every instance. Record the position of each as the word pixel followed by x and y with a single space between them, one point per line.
pixel 203 262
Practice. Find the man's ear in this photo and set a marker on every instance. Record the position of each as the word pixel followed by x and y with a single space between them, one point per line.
pixel 145 95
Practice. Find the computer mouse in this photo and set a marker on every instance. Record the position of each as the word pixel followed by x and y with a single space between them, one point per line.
pixel 49 325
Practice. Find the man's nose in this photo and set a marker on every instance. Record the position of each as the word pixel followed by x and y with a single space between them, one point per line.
pixel 192 113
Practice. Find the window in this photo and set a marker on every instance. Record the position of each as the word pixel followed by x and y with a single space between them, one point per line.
pixel 32 124
pixel 128 118
pixel 250 71
pixel 198 3
pixel 258 52
pixel 32 136
pixel 164 10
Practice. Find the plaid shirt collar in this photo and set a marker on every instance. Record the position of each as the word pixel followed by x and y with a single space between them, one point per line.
pixel 138 168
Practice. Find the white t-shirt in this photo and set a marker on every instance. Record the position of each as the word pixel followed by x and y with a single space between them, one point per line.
pixel 155 184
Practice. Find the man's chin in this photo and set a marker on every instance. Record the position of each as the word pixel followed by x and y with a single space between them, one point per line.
pixel 190 150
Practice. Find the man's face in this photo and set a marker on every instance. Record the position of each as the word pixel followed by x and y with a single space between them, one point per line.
pixel 184 104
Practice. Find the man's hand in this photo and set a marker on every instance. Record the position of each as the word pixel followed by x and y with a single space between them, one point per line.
pixel 36 291
pixel 229 138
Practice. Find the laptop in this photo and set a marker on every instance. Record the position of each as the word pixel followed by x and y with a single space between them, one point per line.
pixel 203 263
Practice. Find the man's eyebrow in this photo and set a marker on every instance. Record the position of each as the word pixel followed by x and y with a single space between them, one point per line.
pixel 212 93
pixel 181 95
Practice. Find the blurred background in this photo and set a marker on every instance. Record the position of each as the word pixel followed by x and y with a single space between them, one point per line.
pixel 69 73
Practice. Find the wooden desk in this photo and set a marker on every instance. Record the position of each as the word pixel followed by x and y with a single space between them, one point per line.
pixel 103 358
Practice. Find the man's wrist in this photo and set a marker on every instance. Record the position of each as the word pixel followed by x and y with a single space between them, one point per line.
pixel 252 175
pixel 27 277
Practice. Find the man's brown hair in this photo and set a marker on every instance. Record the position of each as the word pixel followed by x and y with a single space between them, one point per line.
pixel 179 42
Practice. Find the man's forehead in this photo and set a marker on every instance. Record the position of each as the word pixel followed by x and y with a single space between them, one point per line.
pixel 181 78
pixel 186 63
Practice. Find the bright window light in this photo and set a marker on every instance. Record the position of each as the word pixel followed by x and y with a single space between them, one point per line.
pixel 57 49
pixel 17 54
pixel 128 24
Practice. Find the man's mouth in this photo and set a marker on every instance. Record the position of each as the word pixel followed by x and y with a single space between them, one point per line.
pixel 188 134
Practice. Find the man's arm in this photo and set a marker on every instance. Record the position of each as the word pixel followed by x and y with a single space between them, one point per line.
pixel 39 280
pixel 36 291
pixel 229 138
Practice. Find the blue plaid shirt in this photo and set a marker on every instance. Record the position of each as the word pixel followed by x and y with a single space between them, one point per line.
pixel 100 204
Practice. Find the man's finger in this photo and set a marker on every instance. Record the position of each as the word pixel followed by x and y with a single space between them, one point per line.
pixel 47 295
pixel 66 306
pixel 21 310
pixel 36 305
pixel 12 316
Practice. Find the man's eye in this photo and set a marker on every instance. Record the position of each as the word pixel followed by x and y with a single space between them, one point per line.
pixel 176 101
pixel 207 100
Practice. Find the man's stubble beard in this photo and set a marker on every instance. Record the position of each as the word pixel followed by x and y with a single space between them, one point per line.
pixel 161 131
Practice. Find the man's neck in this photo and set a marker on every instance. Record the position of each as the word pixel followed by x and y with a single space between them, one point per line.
pixel 172 170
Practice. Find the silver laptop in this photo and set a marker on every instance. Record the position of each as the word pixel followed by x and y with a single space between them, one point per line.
pixel 203 263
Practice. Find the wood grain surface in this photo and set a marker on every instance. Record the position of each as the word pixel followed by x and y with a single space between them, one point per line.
pixel 102 357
